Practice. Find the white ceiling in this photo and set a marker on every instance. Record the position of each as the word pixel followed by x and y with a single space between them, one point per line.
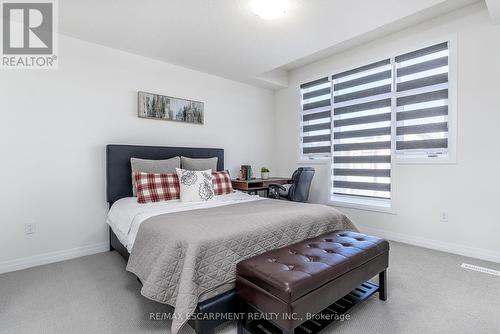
pixel 494 8
pixel 223 37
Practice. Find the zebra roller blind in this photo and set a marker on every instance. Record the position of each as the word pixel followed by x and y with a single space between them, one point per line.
pixel 316 119
pixel 422 101
pixel 362 131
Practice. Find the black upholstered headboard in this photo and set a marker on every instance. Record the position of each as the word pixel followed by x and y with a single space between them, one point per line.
pixel 119 172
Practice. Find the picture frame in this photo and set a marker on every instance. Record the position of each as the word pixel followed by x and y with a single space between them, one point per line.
pixel 168 108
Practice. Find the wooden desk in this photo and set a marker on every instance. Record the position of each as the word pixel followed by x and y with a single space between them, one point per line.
pixel 256 185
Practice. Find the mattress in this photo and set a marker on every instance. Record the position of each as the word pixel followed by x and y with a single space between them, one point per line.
pixel 126 215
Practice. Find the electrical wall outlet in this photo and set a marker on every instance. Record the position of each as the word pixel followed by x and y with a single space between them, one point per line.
pixel 443 217
pixel 29 228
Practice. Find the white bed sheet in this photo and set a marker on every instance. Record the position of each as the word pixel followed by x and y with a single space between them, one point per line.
pixel 126 215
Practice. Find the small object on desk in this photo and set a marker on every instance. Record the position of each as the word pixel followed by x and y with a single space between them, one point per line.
pixel 256 185
pixel 246 172
pixel 264 173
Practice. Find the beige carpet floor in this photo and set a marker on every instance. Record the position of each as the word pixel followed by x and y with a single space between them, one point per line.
pixel 428 293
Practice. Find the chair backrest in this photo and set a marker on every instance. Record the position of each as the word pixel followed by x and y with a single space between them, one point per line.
pixel 301 183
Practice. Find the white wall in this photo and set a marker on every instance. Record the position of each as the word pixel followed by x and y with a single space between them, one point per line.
pixel 467 190
pixel 55 124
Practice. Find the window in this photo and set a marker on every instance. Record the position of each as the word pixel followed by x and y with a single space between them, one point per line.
pixel 316 123
pixel 363 118
pixel 362 132
pixel 422 102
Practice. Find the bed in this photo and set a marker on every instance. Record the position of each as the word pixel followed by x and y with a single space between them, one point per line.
pixel 185 254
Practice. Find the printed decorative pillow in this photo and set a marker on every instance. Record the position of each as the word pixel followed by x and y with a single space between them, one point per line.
pixel 195 185
pixel 156 187
pixel 222 183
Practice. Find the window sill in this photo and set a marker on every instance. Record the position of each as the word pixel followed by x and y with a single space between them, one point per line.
pixel 362 204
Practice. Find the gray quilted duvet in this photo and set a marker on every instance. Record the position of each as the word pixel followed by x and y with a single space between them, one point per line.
pixel 181 256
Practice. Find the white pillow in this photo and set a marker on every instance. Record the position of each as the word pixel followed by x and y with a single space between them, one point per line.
pixel 195 185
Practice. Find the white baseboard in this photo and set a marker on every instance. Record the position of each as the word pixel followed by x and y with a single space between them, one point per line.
pixel 478 253
pixel 38 260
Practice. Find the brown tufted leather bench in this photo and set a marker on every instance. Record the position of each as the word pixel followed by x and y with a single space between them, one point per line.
pixel 308 277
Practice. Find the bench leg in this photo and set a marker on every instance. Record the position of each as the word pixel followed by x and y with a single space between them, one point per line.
pixel 382 285
pixel 242 320
pixel 201 327
pixel 240 326
pixel 111 248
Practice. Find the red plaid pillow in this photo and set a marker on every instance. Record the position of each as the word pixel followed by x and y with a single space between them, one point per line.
pixel 222 183
pixel 156 187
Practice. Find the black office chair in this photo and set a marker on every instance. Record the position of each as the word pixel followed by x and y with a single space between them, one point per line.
pixel 297 190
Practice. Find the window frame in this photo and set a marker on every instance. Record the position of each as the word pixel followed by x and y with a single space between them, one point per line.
pixel 303 159
pixel 360 202
pixel 451 157
pixel 356 202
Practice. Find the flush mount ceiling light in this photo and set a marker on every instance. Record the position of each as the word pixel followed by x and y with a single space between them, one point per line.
pixel 269 9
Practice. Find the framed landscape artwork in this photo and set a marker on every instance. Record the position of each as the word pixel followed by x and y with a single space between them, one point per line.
pixel 168 108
